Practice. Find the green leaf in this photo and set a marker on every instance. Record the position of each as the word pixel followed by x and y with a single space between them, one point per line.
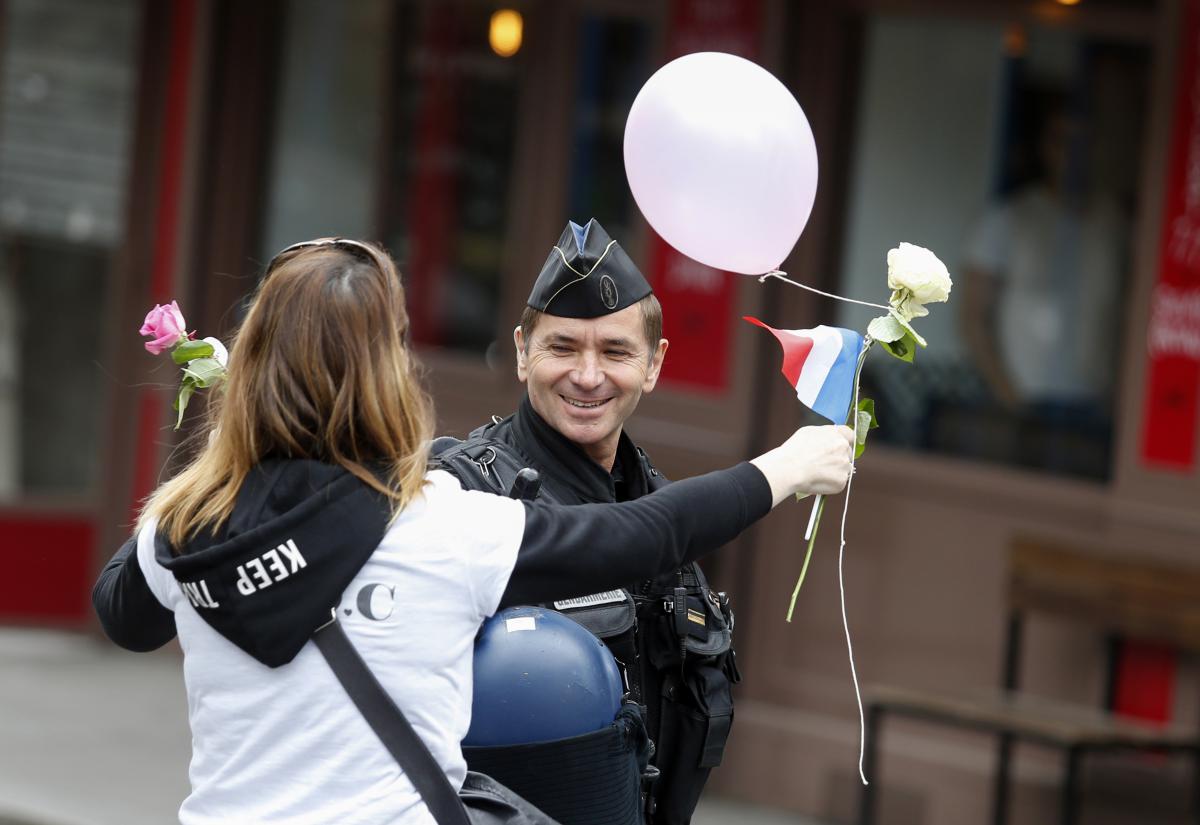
pixel 867 405
pixel 885 329
pixel 205 372
pixel 904 349
pixel 190 351
pixel 186 389
pixel 907 326
pixel 861 427
pixel 866 422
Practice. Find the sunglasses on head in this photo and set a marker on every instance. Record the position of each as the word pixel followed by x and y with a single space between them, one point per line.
pixel 356 247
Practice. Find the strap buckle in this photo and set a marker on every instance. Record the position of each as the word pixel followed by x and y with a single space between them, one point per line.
pixel 332 619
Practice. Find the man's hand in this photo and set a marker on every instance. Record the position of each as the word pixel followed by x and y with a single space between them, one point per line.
pixel 813 460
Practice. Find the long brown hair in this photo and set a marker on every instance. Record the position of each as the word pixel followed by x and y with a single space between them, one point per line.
pixel 320 369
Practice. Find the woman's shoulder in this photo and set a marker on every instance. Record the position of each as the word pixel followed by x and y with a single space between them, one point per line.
pixel 442 484
pixel 481 530
pixel 444 500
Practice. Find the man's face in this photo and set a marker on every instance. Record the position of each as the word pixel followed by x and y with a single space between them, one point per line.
pixel 585 375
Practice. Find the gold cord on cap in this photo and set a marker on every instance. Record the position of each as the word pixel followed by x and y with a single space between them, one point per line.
pixel 582 275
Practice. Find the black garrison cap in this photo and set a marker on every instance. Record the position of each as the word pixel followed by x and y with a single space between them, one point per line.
pixel 587 275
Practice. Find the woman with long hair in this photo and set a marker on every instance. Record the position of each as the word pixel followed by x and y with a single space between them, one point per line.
pixel 309 496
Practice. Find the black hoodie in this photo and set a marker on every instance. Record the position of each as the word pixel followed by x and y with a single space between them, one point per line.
pixel 300 531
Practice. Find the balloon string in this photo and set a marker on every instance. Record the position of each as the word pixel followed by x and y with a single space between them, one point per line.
pixel 777 273
pixel 862 728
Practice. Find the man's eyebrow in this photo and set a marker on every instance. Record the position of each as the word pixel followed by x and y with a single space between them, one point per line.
pixel 563 338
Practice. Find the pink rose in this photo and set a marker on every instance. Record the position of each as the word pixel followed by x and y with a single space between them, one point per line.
pixel 165 325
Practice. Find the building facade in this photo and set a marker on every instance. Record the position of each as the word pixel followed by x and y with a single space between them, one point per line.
pixel 153 150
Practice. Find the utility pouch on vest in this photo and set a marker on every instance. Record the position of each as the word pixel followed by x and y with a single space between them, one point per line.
pixel 687 622
pixel 688 632
pixel 696 716
pixel 612 617
pixel 605 614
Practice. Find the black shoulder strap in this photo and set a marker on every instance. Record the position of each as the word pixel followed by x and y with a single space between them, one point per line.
pixel 654 479
pixel 390 725
pixel 482 463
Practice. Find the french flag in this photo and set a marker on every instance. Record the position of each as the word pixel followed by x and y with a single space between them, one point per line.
pixel 820 363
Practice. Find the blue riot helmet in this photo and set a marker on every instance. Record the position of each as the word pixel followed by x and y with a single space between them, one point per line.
pixel 540 676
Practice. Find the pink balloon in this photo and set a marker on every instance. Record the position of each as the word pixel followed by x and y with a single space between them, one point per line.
pixel 721 161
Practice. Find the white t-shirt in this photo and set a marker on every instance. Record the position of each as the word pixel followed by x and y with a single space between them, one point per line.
pixel 1060 277
pixel 286 744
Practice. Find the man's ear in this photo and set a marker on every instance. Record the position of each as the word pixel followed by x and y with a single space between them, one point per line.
pixel 519 342
pixel 656 363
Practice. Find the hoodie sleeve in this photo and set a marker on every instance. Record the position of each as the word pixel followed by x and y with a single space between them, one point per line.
pixel 575 550
pixel 129 610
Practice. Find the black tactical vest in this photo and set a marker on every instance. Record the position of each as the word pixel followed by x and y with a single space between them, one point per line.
pixel 671 635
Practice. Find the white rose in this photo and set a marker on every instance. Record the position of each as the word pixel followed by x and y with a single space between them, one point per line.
pixel 919 271
pixel 219 351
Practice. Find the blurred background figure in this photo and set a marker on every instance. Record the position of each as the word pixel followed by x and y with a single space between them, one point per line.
pixel 1043 273
pixel 1037 220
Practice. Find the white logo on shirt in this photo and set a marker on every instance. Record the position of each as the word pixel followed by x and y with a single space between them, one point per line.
pixel 197 593
pixel 254 575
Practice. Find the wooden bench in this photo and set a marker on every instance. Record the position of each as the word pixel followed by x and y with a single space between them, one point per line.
pixel 1121 598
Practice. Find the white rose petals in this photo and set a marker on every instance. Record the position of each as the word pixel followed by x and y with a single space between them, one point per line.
pixel 919 271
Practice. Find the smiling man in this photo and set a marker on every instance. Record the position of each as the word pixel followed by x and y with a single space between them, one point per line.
pixel 588 347
pixel 584 375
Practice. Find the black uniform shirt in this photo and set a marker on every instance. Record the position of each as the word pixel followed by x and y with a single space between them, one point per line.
pixel 568 474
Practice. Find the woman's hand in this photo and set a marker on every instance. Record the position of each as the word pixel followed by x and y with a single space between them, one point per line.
pixel 813 460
